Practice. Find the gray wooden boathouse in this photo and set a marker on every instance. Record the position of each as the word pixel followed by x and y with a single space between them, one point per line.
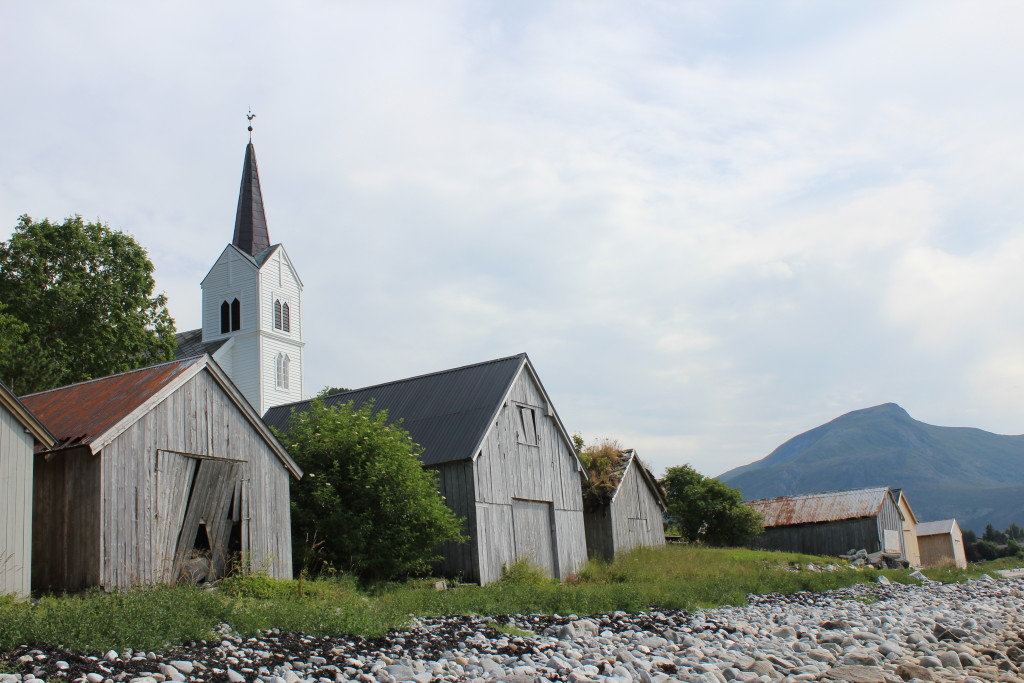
pixel 832 522
pixel 504 461
pixel 631 515
pixel 157 474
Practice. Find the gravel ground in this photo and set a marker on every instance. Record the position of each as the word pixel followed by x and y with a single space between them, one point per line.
pixel 863 634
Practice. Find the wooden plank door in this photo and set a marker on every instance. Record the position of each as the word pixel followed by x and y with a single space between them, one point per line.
pixel 207 513
pixel 534 533
pixel 174 476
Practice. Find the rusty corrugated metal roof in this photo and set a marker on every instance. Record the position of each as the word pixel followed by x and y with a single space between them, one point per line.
pixel 80 413
pixel 828 506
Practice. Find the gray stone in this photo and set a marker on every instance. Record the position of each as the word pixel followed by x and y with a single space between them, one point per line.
pixel 884 580
pixel 856 674
pixel 908 670
pixel 860 658
pixel 950 659
pixel 94 677
pixel 183 666
pixel 171 673
pixel 235 677
pixel 930 662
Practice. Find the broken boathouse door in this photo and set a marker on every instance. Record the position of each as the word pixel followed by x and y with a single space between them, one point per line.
pixel 201 552
pixel 534 533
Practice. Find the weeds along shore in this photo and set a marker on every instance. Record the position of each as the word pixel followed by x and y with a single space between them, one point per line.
pixel 671 577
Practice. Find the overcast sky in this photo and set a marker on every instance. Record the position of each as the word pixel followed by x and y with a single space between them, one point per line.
pixel 712 225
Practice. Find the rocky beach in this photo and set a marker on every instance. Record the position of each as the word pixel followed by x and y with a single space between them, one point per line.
pixel 867 633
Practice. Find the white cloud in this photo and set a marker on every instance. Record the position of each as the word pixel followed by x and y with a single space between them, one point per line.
pixel 712 226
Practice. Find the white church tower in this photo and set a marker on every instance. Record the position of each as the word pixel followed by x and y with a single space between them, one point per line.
pixel 252 306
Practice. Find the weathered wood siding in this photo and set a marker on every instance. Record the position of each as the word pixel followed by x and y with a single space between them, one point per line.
pixel 632 519
pixel 455 482
pixel 636 517
pixel 941 550
pixel 911 549
pixel 200 420
pixel 598 526
pixel 823 538
pixel 890 519
pixel 130 514
pixel 66 521
pixel 15 506
pixel 531 464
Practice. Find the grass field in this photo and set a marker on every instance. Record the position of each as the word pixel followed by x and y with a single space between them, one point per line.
pixel 675 576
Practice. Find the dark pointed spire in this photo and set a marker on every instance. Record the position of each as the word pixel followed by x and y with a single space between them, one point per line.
pixel 251 233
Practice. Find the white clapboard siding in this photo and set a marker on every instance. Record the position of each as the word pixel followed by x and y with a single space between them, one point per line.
pixel 15 505
pixel 547 471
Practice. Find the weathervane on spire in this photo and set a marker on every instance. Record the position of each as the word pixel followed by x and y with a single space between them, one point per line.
pixel 250 116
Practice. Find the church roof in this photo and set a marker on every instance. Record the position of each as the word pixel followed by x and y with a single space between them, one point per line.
pixel 251 233
pixel 447 413
pixel 190 343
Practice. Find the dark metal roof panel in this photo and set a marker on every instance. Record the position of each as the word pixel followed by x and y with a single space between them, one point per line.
pixel 446 412
pixel 80 413
pixel 190 343
pixel 828 506
pixel 251 233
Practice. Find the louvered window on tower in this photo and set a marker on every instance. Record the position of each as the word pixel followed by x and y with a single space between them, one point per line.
pixel 236 315
pixel 277 314
pixel 286 324
pixel 225 317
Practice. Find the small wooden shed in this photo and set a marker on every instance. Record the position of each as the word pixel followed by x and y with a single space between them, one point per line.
pixel 628 515
pixel 504 461
pixel 832 522
pixel 158 474
pixel 941 543
pixel 20 433
pixel 912 552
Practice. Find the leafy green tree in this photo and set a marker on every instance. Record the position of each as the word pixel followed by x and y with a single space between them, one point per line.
pixel 365 494
pixel 1015 532
pixel 83 295
pixel 706 510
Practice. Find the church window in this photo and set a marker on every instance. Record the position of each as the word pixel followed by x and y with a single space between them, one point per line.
pixel 286 318
pixel 277 314
pixel 236 315
pixel 283 363
pixel 225 317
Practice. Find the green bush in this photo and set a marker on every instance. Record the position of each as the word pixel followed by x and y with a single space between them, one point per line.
pixel 365 495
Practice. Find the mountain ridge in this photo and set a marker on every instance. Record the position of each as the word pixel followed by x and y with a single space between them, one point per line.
pixel 963 472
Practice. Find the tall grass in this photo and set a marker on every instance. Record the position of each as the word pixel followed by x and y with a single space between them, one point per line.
pixel 155 618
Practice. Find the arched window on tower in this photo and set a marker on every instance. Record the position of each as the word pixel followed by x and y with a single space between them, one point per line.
pixel 236 315
pixel 286 318
pixel 282 371
pixel 225 317
pixel 277 314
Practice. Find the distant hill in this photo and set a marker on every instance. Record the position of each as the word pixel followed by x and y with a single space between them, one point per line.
pixel 970 474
